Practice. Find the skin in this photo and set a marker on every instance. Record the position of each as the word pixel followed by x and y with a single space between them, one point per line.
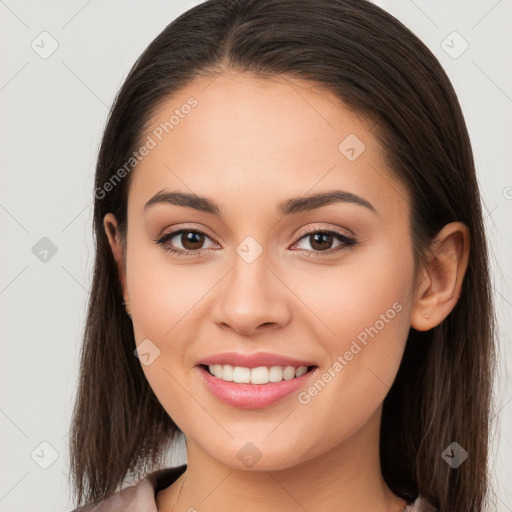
pixel 249 144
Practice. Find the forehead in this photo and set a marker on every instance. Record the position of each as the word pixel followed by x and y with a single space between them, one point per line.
pixel 240 135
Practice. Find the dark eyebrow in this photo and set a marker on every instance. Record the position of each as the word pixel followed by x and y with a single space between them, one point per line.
pixel 308 203
pixel 287 207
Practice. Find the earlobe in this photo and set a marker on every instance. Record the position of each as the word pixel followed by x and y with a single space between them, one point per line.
pixel 442 283
pixel 114 238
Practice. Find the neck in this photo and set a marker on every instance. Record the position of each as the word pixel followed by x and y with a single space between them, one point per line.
pixel 345 478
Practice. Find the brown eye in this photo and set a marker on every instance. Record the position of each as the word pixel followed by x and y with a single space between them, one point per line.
pixel 321 241
pixel 191 241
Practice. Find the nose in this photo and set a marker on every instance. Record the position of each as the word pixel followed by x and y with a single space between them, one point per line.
pixel 251 298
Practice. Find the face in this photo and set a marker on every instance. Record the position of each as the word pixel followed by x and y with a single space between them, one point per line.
pixel 326 283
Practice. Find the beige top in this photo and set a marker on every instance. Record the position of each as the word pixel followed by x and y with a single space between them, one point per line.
pixel 141 497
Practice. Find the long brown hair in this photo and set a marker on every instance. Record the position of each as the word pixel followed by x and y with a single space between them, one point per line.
pixel 382 71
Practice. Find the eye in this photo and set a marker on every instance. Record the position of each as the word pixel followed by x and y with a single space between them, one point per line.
pixel 191 241
pixel 321 241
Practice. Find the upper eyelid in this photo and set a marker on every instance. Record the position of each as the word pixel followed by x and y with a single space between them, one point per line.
pixel 176 231
pixel 338 230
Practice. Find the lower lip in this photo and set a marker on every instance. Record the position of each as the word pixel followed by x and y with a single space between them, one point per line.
pixel 253 396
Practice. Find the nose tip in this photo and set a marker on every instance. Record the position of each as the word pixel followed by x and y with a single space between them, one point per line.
pixel 251 300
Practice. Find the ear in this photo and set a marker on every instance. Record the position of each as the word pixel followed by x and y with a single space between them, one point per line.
pixel 114 239
pixel 441 280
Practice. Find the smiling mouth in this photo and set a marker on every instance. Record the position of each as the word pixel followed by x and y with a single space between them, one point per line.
pixel 261 375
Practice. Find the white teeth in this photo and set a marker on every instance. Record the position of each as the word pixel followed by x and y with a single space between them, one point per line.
pixel 301 371
pixel 241 375
pixel 275 374
pixel 289 373
pixel 259 375
pixel 217 368
pixel 227 372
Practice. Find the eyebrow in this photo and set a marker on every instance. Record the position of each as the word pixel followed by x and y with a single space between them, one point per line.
pixel 288 207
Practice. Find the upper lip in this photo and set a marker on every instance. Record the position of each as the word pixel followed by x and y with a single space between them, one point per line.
pixel 253 360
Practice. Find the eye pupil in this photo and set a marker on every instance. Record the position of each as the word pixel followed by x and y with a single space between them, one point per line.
pixel 319 239
pixel 193 238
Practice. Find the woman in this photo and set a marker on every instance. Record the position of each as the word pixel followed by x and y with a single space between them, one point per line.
pixel 291 271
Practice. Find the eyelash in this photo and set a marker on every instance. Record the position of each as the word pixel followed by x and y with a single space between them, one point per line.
pixel 343 237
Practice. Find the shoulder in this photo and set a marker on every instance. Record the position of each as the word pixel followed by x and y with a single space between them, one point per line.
pixel 421 504
pixel 139 497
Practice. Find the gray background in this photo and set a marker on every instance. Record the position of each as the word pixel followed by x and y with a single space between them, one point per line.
pixel 53 111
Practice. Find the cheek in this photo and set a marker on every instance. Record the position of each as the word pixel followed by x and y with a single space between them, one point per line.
pixel 161 293
pixel 364 309
pixel 163 298
pixel 350 296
